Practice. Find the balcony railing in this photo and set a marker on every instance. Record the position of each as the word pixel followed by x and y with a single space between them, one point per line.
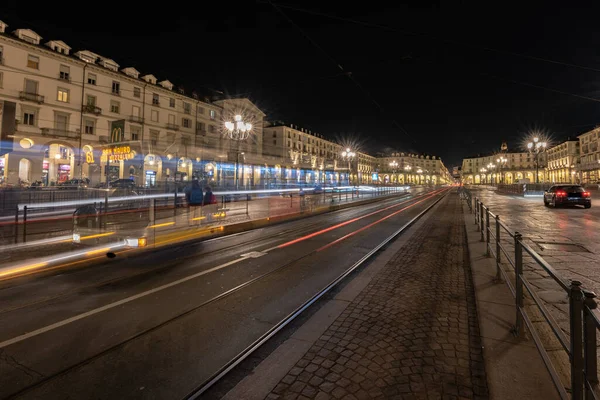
pixel 31 97
pixel 136 118
pixel 64 77
pixel 60 133
pixel 172 127
pixel 91 109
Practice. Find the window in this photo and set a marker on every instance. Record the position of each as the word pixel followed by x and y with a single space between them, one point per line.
pixel 116 87
pixel 170 137
pixel 154 137
pixel 63 95
pixel 31 86
pixel 201 127
pixel 187 108
pixel 115 107
pixel 275 134
pixel 154 116
pixel 155 99
pixel 1 76
pixel 29 118
pixel 136 132
pixel 171 102
pixel 212 114
pixel 89 126
pixel 1 54
pixel 186 122
pixel 61 122
pixel 171 119
pixel 185 141
pixel 135 111
pixel 274 141
pixel 90 100
pixel 200 110
pixel 137 92
pixel 65 73
pixel 91 79
pixel 33 61
pixel 212 129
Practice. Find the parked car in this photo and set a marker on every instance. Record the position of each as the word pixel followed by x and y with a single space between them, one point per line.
pixel 558 195
pixel 74 184
pixel 118 184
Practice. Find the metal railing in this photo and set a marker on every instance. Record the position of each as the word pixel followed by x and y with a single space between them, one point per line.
pixel 31 97
pixel 584 320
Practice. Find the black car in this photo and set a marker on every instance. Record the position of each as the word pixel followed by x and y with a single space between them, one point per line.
pixel 559 195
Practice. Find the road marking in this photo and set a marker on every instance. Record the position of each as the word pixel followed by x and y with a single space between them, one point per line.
pixel 254 254
pixel 113 305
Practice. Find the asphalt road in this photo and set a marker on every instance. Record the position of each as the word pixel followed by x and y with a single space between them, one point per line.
pixel 158 324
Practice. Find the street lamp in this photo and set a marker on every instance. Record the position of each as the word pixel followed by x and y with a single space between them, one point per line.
pixel 394 165
pixel 407 168
pixel 536 147
pixel 348 156
pixel 483 170
pixel 238 130
pixel 490 168
pixel 501 163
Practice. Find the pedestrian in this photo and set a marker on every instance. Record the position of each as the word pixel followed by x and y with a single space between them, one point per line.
pixel 194 198
pixel 209 205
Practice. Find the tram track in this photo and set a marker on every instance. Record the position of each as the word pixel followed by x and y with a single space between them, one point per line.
pixel 271 332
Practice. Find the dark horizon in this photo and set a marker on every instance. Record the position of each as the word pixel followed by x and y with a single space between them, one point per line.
pixel 438 79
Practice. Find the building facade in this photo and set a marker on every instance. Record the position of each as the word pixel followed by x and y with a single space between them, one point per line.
pixel 406 168
pixel 491 169
pixel 588 170
pixel 563 159
pixel 69 115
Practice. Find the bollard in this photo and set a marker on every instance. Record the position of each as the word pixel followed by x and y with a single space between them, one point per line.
pixel 498 259
pixel 247 201
pixel 487 232
pixel 518 284
pixel 481 227
pixel 576 331
pixel 589 341
pixel 24 224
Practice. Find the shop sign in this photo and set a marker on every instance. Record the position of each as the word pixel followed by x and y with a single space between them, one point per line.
pixel 117 153
pixel 89 157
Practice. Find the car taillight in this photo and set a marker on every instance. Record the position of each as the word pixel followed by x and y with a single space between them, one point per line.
pixel 561 193
pixel 587 194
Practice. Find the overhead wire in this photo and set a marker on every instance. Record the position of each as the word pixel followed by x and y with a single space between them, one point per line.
pixel 341 68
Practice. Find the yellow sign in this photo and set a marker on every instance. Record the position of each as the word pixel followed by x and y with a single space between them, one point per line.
pixel 89 157
pixel 117 153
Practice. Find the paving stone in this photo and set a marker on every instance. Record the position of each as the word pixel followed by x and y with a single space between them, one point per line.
pixel 411 333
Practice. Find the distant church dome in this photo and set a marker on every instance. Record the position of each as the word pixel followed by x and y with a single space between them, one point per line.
pixel 504 147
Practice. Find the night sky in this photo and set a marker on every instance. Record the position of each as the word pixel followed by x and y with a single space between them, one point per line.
pixel 418 77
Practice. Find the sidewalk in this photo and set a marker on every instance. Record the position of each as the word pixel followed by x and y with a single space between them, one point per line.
pixel 412 332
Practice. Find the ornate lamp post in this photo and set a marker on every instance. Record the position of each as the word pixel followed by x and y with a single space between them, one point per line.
pixel 536 147
pixel 490 168
pixel 394 166
pixel 348 156
pixel 407 168
pixel 483 171
pixel 501 163
pixel 238 130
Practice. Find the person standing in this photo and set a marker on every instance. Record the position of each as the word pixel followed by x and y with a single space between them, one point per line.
pixel 194 198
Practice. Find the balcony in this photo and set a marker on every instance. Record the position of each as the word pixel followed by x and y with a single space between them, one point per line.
pixel 36 98
pixel 200 131
pixel 91 109
pixel 60 133
pixel 136 118
pixel 172 127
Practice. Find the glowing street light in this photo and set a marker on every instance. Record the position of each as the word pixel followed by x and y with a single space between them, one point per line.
pixel 536 147
pixel 348 155
pixel 501 161
pixel 238 130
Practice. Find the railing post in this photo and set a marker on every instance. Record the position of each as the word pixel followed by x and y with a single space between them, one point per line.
pixel 487 232
pixel 576 331
pixel 518 284
pixel 24 224
pixel 498 259
pixel 175 204
pixel 481 221
pixel 589 340
pixel 476 210
pixel 17 224
pixel 247 201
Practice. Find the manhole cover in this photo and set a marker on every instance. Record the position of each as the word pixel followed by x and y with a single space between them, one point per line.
pixel 569 247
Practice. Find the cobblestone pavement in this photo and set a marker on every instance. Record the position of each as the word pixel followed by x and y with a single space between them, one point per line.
pixel 412 333
pixel 541 226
